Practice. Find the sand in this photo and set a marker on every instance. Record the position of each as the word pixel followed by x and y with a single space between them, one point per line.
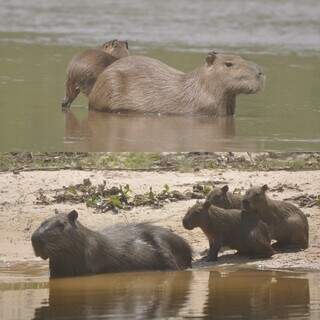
pixel 20 216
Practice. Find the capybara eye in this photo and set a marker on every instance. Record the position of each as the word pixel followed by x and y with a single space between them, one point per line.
pixel 228 64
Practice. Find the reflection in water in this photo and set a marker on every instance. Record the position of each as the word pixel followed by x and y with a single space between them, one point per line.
pixel 137 132
pixel 142 296
pixel 218 294
pixel 204 294
pixel 256 298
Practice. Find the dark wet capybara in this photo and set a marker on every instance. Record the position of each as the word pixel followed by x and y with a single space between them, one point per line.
pixel 222 198
pixel 244 232
pixel 143 84
pixel 85 67
pixel 74 250
pixel 286 222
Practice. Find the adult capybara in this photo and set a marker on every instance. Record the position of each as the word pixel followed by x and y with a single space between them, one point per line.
pixel 244 232
pixel 74 250
pixel 144 84
pixel 286 222
pixel 222 198
pixel 85 67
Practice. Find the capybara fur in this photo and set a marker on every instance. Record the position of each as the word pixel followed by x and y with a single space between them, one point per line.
pixel 143 84
pixel 233 228
pixel 222 198
pixel 74 250
pixel 286 222
pixel 85 67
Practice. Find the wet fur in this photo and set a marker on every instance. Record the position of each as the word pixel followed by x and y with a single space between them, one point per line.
pixel 85 67
pixel 244 232
pixel 287 223
pixel 78 250
pixel 224 199
pixel 143 84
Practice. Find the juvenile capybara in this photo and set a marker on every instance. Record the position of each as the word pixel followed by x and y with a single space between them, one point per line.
pixel 85 67
pixel 143 84
pixel 74 250
pixel 286 222
pixel 244 232
pixel 222 198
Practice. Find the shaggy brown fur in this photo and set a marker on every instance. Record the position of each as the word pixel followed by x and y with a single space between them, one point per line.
pixel 222 198
pixel 287 223
pixel 144 84
pixel 238 230
pixel 85 67
pixel 74 250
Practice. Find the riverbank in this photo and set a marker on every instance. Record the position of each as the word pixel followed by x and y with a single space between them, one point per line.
pixel 21 212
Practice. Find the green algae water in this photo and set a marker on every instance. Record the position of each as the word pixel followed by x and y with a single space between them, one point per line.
pixel 26 293
pixel 38 39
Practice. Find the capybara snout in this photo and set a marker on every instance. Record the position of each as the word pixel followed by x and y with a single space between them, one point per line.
pixel 194 216
pixel 116 48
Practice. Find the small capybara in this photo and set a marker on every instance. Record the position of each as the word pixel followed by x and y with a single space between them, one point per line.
pixel 74 250
pixel 222 198
pixel 143 84
pixel 244 232
pixel 286 222
pixel 85 67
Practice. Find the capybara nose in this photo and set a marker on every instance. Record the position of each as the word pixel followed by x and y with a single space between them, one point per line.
pixel 36 239
pixel 65 104
pixel 185 224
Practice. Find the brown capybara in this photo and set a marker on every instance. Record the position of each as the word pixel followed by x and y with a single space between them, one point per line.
pixel 244 232
pixel 85 67
pixel 74 250
pixel 143 84
pixel 286 222
pixel 222 198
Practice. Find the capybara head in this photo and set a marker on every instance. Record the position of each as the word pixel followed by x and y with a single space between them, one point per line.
pixel 254 198
pixel 116 48
pixel 56 236
pixel 218 197
pixel 196 216
pixel 235 74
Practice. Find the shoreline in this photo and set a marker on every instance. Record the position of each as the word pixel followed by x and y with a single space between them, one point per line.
pixel 20 215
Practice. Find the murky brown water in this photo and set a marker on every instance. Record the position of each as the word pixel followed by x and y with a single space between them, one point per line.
pixel 38 38
pixel 26 293
pixel 285 116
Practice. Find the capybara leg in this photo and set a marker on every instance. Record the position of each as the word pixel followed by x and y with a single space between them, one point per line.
pixel 214 249
pixel 72 92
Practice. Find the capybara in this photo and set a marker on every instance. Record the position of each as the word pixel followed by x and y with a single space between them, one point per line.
pixel 85 67
pixel 143 84
pixel 222 198
pixel 286 222
pixel 74 250
pixel 244 232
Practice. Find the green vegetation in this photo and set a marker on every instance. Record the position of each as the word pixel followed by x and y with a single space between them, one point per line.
pixel 183 162
pixel 113 198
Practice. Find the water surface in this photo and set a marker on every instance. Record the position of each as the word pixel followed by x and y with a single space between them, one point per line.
pixel 26 293
pixel 38 38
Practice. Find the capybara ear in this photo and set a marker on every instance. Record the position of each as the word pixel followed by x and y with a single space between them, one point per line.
pixel 211 56
pixel 264 188
pixel 72 216
pixel 225 188
pixel 127 44
pixel 114 42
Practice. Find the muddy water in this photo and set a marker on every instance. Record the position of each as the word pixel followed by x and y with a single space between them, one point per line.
pixel 286 116
pixel 38 38
pixel 26 293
